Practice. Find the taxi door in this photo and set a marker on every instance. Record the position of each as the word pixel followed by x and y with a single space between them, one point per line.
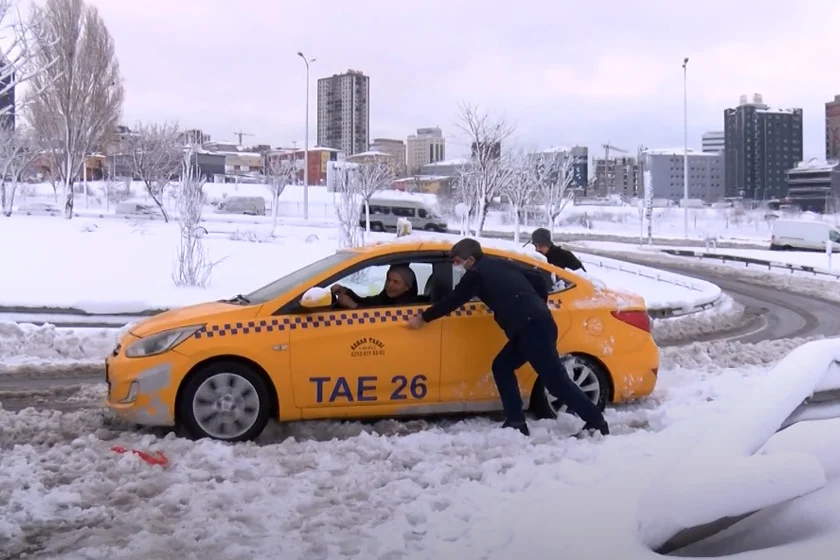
pixel 362 362
pixel 470 341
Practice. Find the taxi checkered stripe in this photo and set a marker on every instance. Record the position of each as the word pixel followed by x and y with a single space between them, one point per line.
pixel 329 320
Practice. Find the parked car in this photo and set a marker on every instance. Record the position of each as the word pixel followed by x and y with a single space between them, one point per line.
pixel 803 235
pixel 136 209
pixel 249 205
pixel 39 209
pixel 385 213
pixel 284 351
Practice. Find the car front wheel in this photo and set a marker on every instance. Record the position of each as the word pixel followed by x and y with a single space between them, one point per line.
pixel 586 373
pixel 225 401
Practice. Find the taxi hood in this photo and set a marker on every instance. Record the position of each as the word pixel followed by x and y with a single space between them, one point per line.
pixel 190 315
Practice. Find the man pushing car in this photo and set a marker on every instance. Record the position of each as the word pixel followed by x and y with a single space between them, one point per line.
pixel 517 298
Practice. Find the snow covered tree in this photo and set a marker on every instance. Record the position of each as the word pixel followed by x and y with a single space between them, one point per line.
pixel 18 64
pixel 156 154
pixel 485 134
pixel 192 261
pixel 78 98
pixel 348 205
pixel 467 195
pixel 521 187
pixel 280 170
pixel 17 153
pixel 372 177
pixel 555 176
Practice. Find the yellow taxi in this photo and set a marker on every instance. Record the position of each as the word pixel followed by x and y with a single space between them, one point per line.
pixel 296 349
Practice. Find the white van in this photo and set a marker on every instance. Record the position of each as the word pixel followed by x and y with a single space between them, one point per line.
pixel 250 205
pixel 384 214
pixel 803 235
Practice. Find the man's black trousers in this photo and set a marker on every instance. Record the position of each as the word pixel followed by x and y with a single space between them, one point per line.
pixel 537 345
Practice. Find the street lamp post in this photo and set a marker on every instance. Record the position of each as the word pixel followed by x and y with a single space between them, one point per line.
pixel 685 147
pixel 306 61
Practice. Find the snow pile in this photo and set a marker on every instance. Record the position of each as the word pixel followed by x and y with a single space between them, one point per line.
pixel 25 344
pixel 726 315
pixel 719 475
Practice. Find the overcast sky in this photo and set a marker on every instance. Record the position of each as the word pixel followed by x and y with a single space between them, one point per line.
pixel 566 72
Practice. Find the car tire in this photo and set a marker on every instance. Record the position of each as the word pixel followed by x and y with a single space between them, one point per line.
pixel 231 390
pixel 581 369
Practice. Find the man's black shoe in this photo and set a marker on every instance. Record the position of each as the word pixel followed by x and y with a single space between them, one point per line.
pixel 522 427
pixel 590 429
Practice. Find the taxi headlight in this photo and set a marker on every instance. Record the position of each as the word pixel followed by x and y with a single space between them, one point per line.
pixel 160 342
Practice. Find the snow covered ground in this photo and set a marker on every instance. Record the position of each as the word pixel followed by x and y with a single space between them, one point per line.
pixel 124 267
pixel 396 490
pixel 746 226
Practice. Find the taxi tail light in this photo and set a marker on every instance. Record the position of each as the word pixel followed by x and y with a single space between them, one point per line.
pixel 638 319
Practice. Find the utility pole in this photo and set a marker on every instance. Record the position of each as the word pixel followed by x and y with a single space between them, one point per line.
pixel 307 62
pixel 685 147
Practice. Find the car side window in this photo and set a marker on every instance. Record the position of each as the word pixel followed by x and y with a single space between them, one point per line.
pixel 834 236
pixel 557 283
pixel 403 212
pixel 370 280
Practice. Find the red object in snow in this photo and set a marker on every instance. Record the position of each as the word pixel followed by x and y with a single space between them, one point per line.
pixel 157 459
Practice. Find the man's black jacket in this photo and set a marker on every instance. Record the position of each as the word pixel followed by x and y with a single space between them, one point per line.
pixel 562 258
pixel 516 295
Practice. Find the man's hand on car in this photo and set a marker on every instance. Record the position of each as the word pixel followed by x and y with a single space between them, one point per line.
pixel 416 322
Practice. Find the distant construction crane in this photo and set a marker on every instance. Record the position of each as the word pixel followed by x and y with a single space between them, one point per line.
pixel 607 147
pixel 240 134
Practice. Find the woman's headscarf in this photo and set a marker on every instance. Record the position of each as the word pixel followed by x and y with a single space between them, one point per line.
pixel 408 277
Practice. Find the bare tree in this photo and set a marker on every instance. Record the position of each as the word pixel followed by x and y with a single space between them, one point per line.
pixel 280 170
pixel 347 205
pixel 485 134
pixel 372 177
pixel 18 65
pixel 17 153
pixel 79 98
pixel 156 154
pixel 192 261
pixel 521 186
pixel 555 175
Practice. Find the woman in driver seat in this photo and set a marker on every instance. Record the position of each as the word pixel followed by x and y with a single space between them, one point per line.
pixel 400 289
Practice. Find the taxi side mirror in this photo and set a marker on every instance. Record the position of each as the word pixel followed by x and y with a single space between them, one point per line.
pixel 315 298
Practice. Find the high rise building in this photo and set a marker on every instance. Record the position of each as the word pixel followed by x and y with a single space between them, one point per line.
pixel 761 144
pixel 832 129
pixel 713 142
pixel 344 112
pixel 425 147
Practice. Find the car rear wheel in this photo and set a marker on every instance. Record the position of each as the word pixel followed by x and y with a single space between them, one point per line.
pixel 226 401
pixel 587 374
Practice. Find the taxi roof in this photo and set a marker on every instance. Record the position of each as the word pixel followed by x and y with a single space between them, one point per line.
pixel 412 243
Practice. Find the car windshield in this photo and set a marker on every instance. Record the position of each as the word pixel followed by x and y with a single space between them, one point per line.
pixel 299 276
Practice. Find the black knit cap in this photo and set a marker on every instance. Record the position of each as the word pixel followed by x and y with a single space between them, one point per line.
pixel 541 236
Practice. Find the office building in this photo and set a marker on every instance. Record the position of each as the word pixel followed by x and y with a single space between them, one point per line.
pixel 394 148
pixel 425 147
pixel 344 112
pixel 815 186
pixel 713 142
pixel 761 144
pixel 667 174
